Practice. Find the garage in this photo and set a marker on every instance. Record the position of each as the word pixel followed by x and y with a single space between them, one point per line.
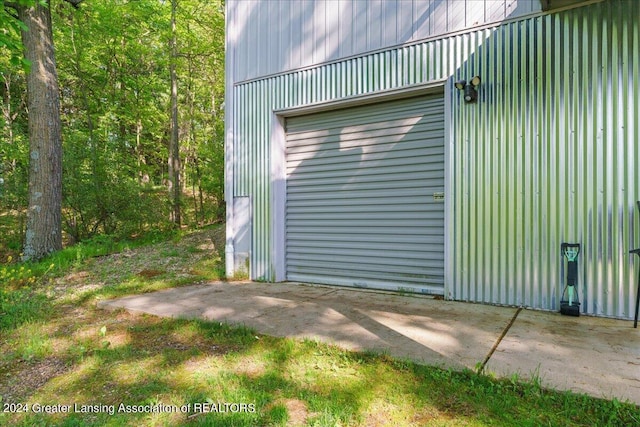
pixel 365 196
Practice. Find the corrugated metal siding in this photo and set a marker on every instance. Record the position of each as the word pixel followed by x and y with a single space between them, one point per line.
pixel 549 153
pixel 273 36
pixel 360 207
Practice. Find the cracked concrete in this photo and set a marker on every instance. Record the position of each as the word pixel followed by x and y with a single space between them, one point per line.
pixel 596 356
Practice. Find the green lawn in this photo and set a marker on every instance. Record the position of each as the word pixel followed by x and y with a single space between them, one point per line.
pixel 64 362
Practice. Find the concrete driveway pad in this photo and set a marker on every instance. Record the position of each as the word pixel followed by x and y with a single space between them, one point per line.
pixel 591 355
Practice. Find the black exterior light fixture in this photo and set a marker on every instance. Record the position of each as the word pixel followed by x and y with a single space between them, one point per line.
pixel 470 91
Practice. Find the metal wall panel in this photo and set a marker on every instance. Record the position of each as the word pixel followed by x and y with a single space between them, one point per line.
pixel 274 36
pixel 360 207
pixel 548 154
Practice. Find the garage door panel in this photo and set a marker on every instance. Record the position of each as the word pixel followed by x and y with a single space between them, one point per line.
pixel 315 148
pixel 354 216
pixel 310 233
pixel 360 196
pixel 405 280
pixel 385 168
pixel 409 192
pixel 403 268
pixel 321 246
pixel 426 186
pixel 366 226
pixel 387 132
pixel 349 255
pixel 360 117
pixel 363 206
pixel 359 189
pixel 328 167
pixel 396 199
pixel 430 141
pixel 301 239
pixel 354 155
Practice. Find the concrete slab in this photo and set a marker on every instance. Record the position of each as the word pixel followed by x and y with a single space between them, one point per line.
pixel 597 356
pixel 592 355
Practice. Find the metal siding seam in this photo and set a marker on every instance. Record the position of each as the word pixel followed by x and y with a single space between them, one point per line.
pixel 510 142
pixel 534 297
pixel 527 196
pixel 634 135
pixel 545 286
pixel 598 157
pixel 625 206
pixel 486 164
pixel 620 255
pixel 609 164
pixel 500 294
pixel 489 98
pixel 591 134
pixel 473 168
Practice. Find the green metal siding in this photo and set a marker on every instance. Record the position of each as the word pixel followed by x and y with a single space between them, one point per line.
pixel 550 152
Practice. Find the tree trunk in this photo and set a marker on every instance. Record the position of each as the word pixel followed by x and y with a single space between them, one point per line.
pixel 44 218
pixel 175 188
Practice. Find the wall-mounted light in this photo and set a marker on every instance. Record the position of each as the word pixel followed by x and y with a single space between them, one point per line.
pixel 470 91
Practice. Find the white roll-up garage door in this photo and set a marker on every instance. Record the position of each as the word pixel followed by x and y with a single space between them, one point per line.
pixel 365 189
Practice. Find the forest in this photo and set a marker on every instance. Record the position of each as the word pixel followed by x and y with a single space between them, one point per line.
pixel 141 105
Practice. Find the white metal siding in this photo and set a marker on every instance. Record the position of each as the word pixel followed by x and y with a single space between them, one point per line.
pixel 360 196
pixel 273 36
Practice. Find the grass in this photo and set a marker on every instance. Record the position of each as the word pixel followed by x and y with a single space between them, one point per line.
pixel 116 368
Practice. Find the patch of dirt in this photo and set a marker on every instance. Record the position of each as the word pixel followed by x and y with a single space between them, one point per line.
pixel 150 273
pixel 77 276
pixel 26 378
pixel 250 368
pixel 173 259
pixel 297 410
pixel 154 344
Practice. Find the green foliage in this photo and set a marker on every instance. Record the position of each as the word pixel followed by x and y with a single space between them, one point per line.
pixel 102 197
pixel 19 305
pixel 112 59
pixel 10 40
pixel 14 155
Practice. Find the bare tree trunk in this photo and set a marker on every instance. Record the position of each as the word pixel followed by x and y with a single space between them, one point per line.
pixel 44 219
pixel 175 188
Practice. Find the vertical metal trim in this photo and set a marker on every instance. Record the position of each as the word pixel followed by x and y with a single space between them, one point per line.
pixel 449 193
pixel 230 138
pixel 278 198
